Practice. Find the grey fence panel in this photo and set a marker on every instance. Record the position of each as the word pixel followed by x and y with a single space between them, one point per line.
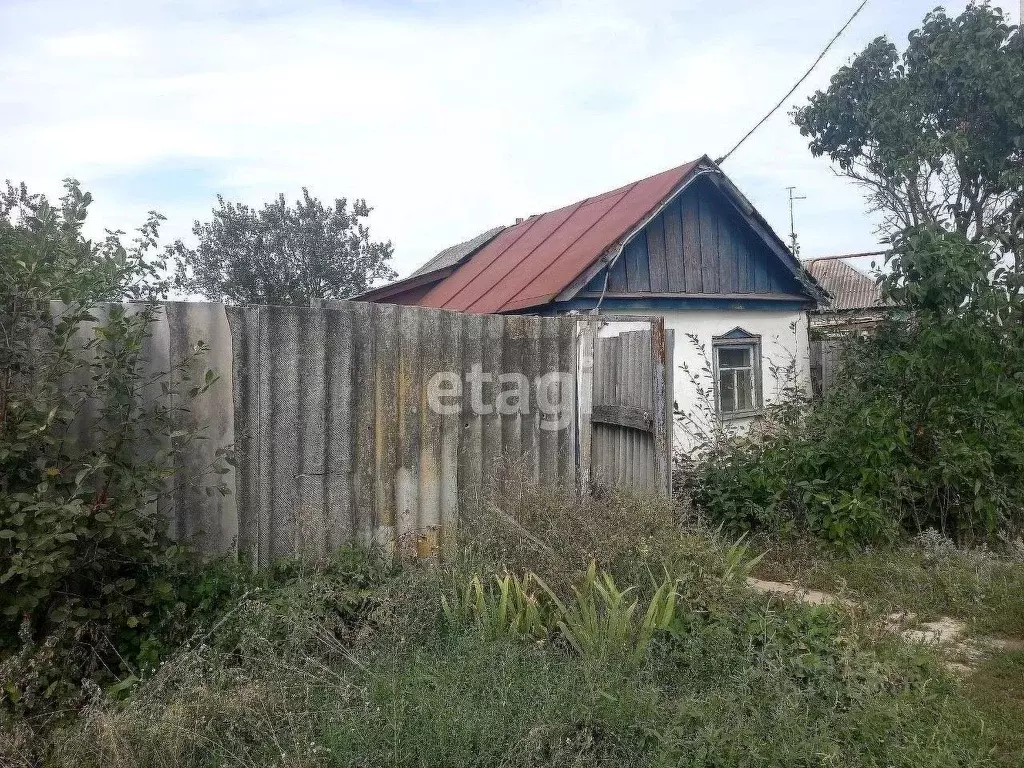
pixel 207 518
pixel 333 415
pixel 329 410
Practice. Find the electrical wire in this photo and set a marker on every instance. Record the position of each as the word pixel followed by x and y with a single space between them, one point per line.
pixel 799 82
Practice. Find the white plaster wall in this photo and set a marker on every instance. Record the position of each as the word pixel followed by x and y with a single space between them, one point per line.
pixel 784 338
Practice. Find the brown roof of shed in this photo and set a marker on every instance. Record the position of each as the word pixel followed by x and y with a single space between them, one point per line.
pixel 530 263
pixel 849 287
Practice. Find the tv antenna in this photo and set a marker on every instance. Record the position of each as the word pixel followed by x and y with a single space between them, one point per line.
pixel 793 244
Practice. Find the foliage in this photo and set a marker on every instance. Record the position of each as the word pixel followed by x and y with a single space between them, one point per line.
pixel 735 679
pixel 556 532
pixel 935 134
pixel 600 622
pixel 282 254
pixel 514 607
pixel 86 565
pixel 923 429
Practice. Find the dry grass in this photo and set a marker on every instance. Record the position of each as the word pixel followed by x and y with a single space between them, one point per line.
pixel 358 667
pixel 557 532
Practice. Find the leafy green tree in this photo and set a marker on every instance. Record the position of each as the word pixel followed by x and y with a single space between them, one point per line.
pixel 924 428
pixel 935 134
pixel 282 254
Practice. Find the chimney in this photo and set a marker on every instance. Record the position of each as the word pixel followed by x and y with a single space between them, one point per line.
pixel 520 219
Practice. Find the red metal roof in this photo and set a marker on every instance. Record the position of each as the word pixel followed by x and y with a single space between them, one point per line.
pixel 529 264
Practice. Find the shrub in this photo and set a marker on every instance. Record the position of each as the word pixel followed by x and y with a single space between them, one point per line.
pixel 87 570
pixel 923 430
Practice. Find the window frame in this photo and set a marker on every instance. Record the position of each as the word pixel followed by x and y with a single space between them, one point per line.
pixel 738 338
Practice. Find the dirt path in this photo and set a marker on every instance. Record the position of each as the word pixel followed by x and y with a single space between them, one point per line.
pixel 961 651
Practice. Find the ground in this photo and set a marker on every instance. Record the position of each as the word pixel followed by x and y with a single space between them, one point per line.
pixel 354 663
pixel 966 605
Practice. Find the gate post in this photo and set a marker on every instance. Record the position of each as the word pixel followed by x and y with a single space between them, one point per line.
pixel 661 375
pixel 586 333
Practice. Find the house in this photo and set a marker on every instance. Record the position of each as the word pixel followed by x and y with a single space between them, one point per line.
pixel 684 244
pixel 856 306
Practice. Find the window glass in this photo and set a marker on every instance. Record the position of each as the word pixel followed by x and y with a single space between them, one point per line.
pixel 734 357
pixel 727 391
pixel 744 390
pixel 736 377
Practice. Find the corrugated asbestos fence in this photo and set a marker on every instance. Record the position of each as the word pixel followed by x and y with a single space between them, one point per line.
pixel 338 437
pixel 383 424
pixel 378 423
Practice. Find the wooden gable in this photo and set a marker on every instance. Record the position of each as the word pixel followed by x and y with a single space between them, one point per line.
pixel 698 245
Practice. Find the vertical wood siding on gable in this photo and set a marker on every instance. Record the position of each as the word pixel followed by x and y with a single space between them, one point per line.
pixel 636 256
pixel 698 244
pixel 673 223
pixel 658 256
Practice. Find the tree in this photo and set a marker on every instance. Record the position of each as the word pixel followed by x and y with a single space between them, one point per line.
pixel 282 254
pixel 935 135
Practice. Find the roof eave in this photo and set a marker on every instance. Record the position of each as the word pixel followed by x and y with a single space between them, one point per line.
pixel 403 285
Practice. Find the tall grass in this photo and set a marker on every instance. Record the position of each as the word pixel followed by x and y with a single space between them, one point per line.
pixel 651 653
pixel 930 576
pixel 557 532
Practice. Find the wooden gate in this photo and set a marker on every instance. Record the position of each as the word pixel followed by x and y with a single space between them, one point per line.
pixel 625 402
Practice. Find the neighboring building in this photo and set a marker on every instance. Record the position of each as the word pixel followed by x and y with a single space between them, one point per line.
pixel 856 306
pixel 856 299
pixel 684 244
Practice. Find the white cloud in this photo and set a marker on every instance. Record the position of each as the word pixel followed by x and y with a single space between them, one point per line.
pixel 447 119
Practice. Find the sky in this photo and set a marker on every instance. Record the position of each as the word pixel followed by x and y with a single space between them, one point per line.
pixel 448 117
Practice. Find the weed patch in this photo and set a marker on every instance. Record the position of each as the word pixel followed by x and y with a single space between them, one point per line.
pixel 931 578
pixel 363 665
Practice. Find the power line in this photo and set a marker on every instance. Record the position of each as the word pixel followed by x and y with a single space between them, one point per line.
pixel 799 82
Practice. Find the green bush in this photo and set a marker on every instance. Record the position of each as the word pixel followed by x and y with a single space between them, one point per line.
pixel 87 570
pixel 923 430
